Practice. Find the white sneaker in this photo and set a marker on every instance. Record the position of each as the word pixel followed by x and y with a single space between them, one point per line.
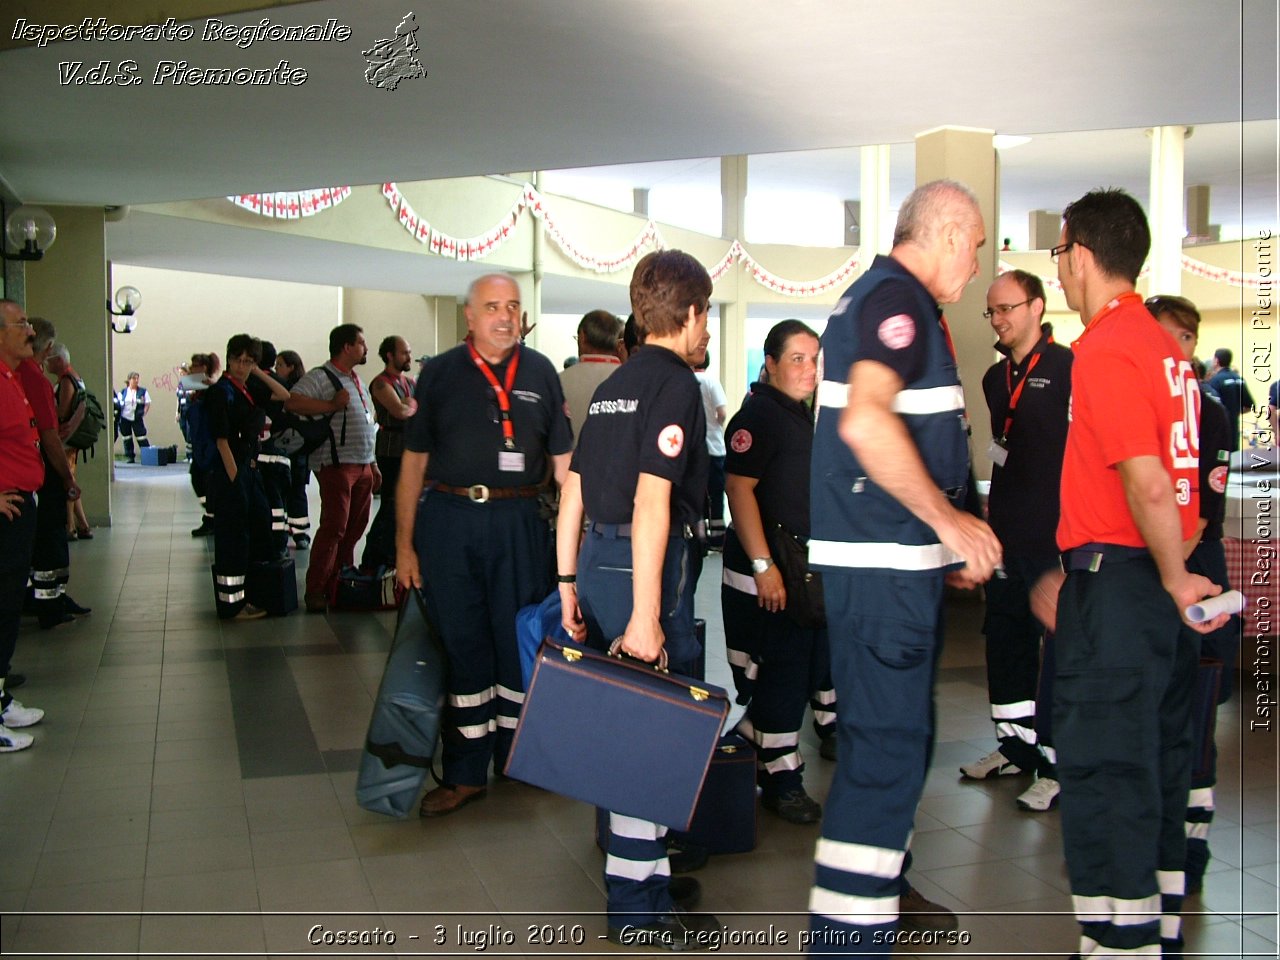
pixel 12 741
pixel 1041 795
pixel 994 764
pixel 16 715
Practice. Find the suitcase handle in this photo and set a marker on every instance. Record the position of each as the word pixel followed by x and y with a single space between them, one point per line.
pixel 615 650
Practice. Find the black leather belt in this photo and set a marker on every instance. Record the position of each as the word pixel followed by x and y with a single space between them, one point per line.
pixel 479 493
pixel 1091 556
pixel 623 530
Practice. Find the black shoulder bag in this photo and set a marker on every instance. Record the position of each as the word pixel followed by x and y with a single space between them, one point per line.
pixel 805 603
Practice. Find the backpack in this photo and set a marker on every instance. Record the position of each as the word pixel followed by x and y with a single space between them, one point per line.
pixel 204 449
pixel 295 435
pixel 85 436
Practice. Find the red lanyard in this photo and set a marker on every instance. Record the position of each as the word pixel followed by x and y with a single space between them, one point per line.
pixel 946 332
pixel 1097 317
pixel 598 358
pixel 1015 394
pixel 243 392
pixel 502 392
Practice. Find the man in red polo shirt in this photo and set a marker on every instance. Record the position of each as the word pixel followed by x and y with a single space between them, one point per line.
pixel 1126 657
pixel 21 474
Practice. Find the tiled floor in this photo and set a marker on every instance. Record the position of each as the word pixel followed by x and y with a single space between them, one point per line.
pixel 192 793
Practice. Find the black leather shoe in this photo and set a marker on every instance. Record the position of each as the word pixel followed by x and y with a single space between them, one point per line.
pixel 827 749
pixel 686 857
pixel 676 931
pixel 14 680
pixel 204 530
pixel 57 620
pixel 74 608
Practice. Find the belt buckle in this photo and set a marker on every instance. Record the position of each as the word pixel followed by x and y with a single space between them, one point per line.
pixel 478 493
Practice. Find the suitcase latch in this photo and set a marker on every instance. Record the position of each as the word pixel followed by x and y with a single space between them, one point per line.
pixel 573 656
pixel 729 748
pixel 698 694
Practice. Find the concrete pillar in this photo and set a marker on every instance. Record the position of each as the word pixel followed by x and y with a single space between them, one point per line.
pixel 1164 211
pixel 640 201
pixel 877 224
pixel 733 197
pixel 733 309
pixel 969 156
pixel 734 375
pixel 70 287
pixel 1043 228
pixel 532 296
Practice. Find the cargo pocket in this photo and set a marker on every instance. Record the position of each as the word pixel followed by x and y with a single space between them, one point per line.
pixel 1101 715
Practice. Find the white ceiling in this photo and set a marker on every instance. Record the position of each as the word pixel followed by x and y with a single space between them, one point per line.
pixel 517 85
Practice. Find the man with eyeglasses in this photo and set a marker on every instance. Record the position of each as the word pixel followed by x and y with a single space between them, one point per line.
pixel 21 474
pixel 1029 395
pixel 1125 654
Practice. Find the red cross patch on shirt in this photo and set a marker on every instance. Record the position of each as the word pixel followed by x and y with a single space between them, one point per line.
pixel 671 440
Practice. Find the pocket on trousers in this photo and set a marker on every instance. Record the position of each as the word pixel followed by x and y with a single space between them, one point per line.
pixel 1101 713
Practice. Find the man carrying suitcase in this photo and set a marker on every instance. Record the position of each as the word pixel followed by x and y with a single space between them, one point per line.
pixel 639 475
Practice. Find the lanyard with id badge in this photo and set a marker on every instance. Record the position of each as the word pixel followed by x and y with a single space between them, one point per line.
pixel 510 457
pixel 999 451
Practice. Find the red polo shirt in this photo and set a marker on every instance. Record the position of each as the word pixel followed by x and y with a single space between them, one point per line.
pixel 1132 395
pixel 39 393
pixel 21 466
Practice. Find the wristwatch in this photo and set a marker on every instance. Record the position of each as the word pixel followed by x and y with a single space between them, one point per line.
pixel 761 564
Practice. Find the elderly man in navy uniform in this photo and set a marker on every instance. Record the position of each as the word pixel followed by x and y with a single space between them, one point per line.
pixel 890 469
pixel 640 476
pixel 489 435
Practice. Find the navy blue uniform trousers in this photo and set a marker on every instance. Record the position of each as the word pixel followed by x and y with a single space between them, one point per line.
pixel 1209 560
pixel 241 533
pixel 16 539
pixel 885 637
pixel 480 563
pixel 636 870
pixel 1122 722
pixel 1014 638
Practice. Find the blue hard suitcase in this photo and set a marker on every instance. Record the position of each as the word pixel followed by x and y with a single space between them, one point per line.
pixel 725 818
pixel 272 585
pixel 617 733
pixel 406 716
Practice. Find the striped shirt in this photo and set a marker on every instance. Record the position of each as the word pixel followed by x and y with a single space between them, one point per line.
pixel 356 446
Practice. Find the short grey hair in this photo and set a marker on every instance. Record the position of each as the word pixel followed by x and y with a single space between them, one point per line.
pixel 45 333
pixel 471 287
pixel 931 205
pixel 59 350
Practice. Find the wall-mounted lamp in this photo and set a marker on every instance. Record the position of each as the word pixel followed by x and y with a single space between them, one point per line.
pixel 31 230
pixel 128 302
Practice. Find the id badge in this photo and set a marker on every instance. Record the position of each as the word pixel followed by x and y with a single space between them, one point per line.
pixel 511 461
pixel 997 453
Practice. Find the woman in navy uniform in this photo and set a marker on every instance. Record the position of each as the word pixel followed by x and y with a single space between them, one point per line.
pixel 241 518
pixel 776 661
pixel 639 475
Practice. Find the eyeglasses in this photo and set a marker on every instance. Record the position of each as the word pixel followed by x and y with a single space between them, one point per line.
pixel 1003 308
pixel 19 323
pixel 1059 250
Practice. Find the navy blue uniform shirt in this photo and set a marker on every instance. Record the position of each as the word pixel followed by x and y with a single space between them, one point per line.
pixel 646 418
pixel 770 440
pixel 234 417
pixel 459 425
pixel 1024 503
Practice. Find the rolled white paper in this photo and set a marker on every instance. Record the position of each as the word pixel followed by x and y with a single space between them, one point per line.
pixel 1230 602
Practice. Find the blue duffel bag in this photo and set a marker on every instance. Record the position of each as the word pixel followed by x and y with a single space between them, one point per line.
pixel 534 624
pixel 406 716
